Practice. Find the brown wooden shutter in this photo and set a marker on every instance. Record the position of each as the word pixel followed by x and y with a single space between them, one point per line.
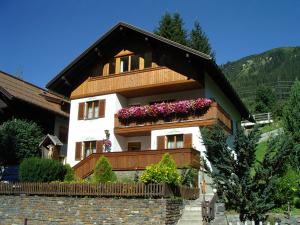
pixel 78 151
pixel 101 108
pixel 99 146
pixel 81 111
pixel 161 142
pixel 187 140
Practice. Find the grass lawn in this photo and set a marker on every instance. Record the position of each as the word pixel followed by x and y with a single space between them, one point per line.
pixel 272 126
pixel 261 150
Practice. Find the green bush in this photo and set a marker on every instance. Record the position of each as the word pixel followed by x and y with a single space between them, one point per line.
pixel 163 172
pixel 103 171
pixel 189 176
pixel 41 170
pixel 69 176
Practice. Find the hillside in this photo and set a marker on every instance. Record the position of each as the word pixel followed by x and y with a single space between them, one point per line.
pixel 267 68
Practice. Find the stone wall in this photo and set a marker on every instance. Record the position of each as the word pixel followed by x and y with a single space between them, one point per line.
pixel 70 210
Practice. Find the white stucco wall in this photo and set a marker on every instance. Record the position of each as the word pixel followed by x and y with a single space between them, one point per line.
pixel 215 92
pixel 90 130
pixel 195 131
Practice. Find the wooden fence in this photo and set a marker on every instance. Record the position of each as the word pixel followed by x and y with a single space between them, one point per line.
pixel 100 190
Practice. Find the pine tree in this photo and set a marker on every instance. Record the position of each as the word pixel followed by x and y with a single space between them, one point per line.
pixel 245 186
pixel 199 41
pixel 172 28
pixel 103 171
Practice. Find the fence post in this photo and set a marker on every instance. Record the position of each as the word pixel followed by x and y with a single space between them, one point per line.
pixel 25 221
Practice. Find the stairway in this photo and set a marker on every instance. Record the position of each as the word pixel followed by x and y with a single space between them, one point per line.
pixel 191 213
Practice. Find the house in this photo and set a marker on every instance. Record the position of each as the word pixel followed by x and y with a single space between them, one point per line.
pixel 23 100
pixel 121 85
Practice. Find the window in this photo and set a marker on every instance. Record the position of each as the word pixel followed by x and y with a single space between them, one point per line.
pixel 112 66
pixel 89 148
pixel 92 110
pixel 175 141
pixel 134 146
pixel 124 64
pixel 147 59
pixel 135 62
pixel 63 134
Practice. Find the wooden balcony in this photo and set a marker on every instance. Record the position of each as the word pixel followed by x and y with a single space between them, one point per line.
pixel 137 160
pixel 214 115
pixel 136 83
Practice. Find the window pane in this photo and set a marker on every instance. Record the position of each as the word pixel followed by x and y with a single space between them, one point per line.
pixel 179 141
pixel 148 59
pixel 87 149
pixel 93 145
pixel 96 109
pixel 171 143
pixel 135 62
pixel 112 66
pixel 124 64
pixel 90 110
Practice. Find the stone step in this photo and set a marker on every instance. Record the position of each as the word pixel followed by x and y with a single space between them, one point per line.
pixel 192 208
pixel 190 222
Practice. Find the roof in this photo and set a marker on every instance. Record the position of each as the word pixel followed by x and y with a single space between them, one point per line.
pixel 218 75
pixel 53 139
pixel 14 87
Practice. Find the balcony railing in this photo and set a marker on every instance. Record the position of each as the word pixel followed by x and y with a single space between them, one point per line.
pixel 136 83
pixel 214 115
pixel 138 160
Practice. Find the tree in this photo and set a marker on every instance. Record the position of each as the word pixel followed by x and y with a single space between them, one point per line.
pixel 291 115
pixel 172 28
pixel 19 139
pixel 199 41
pixel 103 171
pixel 245 186
pixel 264 100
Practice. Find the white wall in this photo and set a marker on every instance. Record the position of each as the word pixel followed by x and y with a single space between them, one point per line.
pixel 215 92
pixel 195 131
pixel 90 130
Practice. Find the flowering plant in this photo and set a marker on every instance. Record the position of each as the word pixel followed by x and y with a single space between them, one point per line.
pixel 164 109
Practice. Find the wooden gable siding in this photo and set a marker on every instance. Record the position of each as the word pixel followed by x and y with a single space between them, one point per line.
pixel 157 80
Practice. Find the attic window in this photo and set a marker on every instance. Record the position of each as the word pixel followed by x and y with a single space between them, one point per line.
pixel 124 64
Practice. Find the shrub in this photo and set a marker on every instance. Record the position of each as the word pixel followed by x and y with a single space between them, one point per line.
pixel 103 171
pixel 163 172
pixel 188 176
pixel 19 139
pixel 41 170
pixel 69 176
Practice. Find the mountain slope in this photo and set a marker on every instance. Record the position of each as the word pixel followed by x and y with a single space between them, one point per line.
pixel 248 73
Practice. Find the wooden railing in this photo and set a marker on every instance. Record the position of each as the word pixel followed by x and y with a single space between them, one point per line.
pixel 215 114
pixel 137 160
pixel 136 83
pixel 100 190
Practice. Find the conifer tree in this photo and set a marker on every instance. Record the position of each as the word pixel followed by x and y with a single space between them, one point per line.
pixel 172 28
pixel 199 41
pixel 103 171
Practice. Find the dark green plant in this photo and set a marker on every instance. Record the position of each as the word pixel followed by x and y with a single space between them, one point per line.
pixel 264 100
pixel 41 170
pixel 188 176
pixel 69 176
pixel 199 41
pixel 19 139
pixel 252 195
pixel 171 26
pixel 163 172
pixel 103 171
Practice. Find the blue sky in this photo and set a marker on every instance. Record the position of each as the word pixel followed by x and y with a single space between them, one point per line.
pixel 38 38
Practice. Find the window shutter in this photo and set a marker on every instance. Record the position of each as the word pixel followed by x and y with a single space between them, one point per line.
pixel 101 108
pixel 187 140
pixel 160 142
pixel 81 111
pixel 78 151
pixel 99 146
